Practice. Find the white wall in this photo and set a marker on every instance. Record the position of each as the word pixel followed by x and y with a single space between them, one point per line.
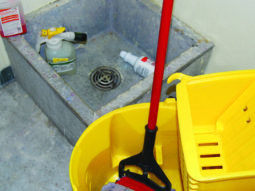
pixel 229 24
pixel 4 60
pixel 31 5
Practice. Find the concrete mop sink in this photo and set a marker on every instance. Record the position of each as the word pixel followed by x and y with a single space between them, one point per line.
pixel 73 102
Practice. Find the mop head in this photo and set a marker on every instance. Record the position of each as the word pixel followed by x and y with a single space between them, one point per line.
pixel 115 187
pixel 133 184
pixel 127 184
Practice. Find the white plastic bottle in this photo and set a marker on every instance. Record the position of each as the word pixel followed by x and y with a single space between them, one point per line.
pixel 60 53
pixel 12 21
pixel 61 56
pixel 142 65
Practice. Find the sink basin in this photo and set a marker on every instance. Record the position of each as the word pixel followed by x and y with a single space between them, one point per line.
pixel 72 102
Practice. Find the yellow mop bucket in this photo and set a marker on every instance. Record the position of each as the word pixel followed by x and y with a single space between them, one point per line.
pixel 118 135
pixel 216 115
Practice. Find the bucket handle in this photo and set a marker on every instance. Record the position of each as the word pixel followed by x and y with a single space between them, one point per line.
pixel 177 76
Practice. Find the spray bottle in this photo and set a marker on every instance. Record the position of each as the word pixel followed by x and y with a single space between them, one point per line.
pixel 12 21
pixel 142 65
pixel 60 53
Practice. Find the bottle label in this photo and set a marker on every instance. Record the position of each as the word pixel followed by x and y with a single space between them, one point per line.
pixel 144 68
pixel 148 61
pixel 56 60
pixel 61 65
pixel 63 68
pixel 10 21
pixel 143 71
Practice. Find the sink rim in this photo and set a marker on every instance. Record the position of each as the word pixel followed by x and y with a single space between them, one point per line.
pixel 72 100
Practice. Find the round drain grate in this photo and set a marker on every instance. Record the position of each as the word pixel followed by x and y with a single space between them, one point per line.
pixel 105 78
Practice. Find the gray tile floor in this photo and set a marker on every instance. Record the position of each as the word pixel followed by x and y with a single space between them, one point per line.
pixel 34 155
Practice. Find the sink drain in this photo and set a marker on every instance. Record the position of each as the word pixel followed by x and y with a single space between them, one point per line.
pixel 105 78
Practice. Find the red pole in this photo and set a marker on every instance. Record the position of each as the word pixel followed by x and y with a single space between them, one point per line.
pixel 166 16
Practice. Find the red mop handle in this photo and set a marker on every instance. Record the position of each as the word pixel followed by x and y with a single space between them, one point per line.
pixel 166 16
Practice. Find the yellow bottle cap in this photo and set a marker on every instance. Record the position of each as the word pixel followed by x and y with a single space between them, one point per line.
pixel 52 32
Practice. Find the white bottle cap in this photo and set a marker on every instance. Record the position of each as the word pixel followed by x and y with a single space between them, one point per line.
pixel 54 43
pixel 123 54
pixel 128 57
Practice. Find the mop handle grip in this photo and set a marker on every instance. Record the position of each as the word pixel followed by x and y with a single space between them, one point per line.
pixel 166 16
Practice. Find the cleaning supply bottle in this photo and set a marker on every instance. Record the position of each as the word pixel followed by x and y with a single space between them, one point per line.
pixel 12 21
pixel 142 65
pixel 60 53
